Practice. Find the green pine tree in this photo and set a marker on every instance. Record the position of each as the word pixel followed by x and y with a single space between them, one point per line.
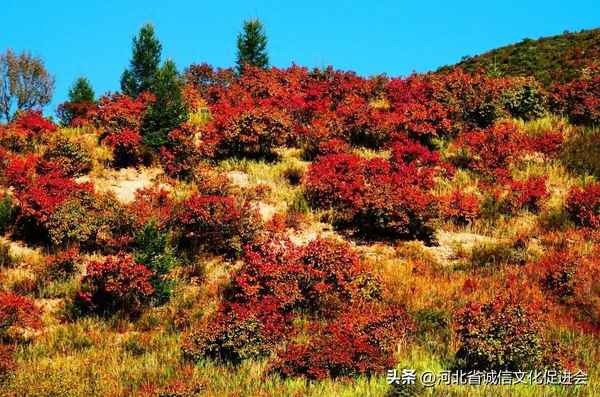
pixel 81 91
pixel 144 64
pixel 168 111
pixel 252 46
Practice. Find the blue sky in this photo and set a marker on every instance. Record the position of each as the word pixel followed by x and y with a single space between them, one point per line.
pixel 93 38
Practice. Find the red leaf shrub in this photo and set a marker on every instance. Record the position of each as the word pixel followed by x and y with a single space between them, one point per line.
pixel 492 149
pixel 237 332
pixel 26 130
pixel 583 205
pixel 34 122
pixel 579 100
pixel 69 156
pixel 118 112
pixel 116 283
pixel 277 282
pixel 40 188
pixel 336 181
pixel 528 193
pixel 18 311
pixel 126 145
pixel 415 110
pixel 215 223
pixel 182 154
pixel 62 265
pixel 253 132
pixel 362 341
pixel 548 143
pixel 460 208
pixel 380 197
pixel 152 204
pixel 76 114
pixel 472 100
pixel 571 278
pixel 332 146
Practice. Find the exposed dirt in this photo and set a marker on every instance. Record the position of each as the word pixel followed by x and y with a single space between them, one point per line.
pixel 124 182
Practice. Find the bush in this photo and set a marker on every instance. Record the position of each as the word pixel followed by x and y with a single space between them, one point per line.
pixel 583 205
pixel 181 154
pixel 361 342
pixel 503 334
pixel 70 156
pixel 491 150
pixel 7 213
pixel 40 188
pixel 377 197
pixel 116 283
pixel 526 194
pixel 126 146
pixel 216 224
pixel 152 204
pixel 549 143
pixel 278 281
pixel 579 100
pixel 91 221
pixel 118 112
pixel 237 332
pixel 34 122
pixel 525 101
pixel 460 208
pixel 62 265
pixel 250 133
pixel 17 311
pixel 153 249
pixel 580 152
pixel 572 279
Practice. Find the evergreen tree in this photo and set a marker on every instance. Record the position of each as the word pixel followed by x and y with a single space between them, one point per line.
pixel 168 111
pixel 144 63
pixel 81 101
pixel 252 46
pixel 81 91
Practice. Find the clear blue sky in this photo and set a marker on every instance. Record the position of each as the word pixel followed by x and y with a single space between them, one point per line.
pixel 93 38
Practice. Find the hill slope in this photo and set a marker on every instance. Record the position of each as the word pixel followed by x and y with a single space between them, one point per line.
pixel 550 59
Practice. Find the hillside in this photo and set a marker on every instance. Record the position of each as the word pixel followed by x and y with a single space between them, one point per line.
pixel 302 232
pixel 550 59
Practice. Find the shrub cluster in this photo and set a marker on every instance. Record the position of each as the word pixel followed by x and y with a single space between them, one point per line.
pixel 387 198
pixel 27 129
pixel 324 282
pixel 579 100
pixel 489 151
pixel 69 155
pixel 119 119
pixel 460 208
pixel 504 334
pixel 17 311
pixel 61 265
pixel 181 155
pixel 583 205
pixel 217 224
pixel 359 342
pixel 116 283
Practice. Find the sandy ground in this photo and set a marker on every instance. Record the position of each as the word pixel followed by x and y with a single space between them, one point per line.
pixel 124 182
